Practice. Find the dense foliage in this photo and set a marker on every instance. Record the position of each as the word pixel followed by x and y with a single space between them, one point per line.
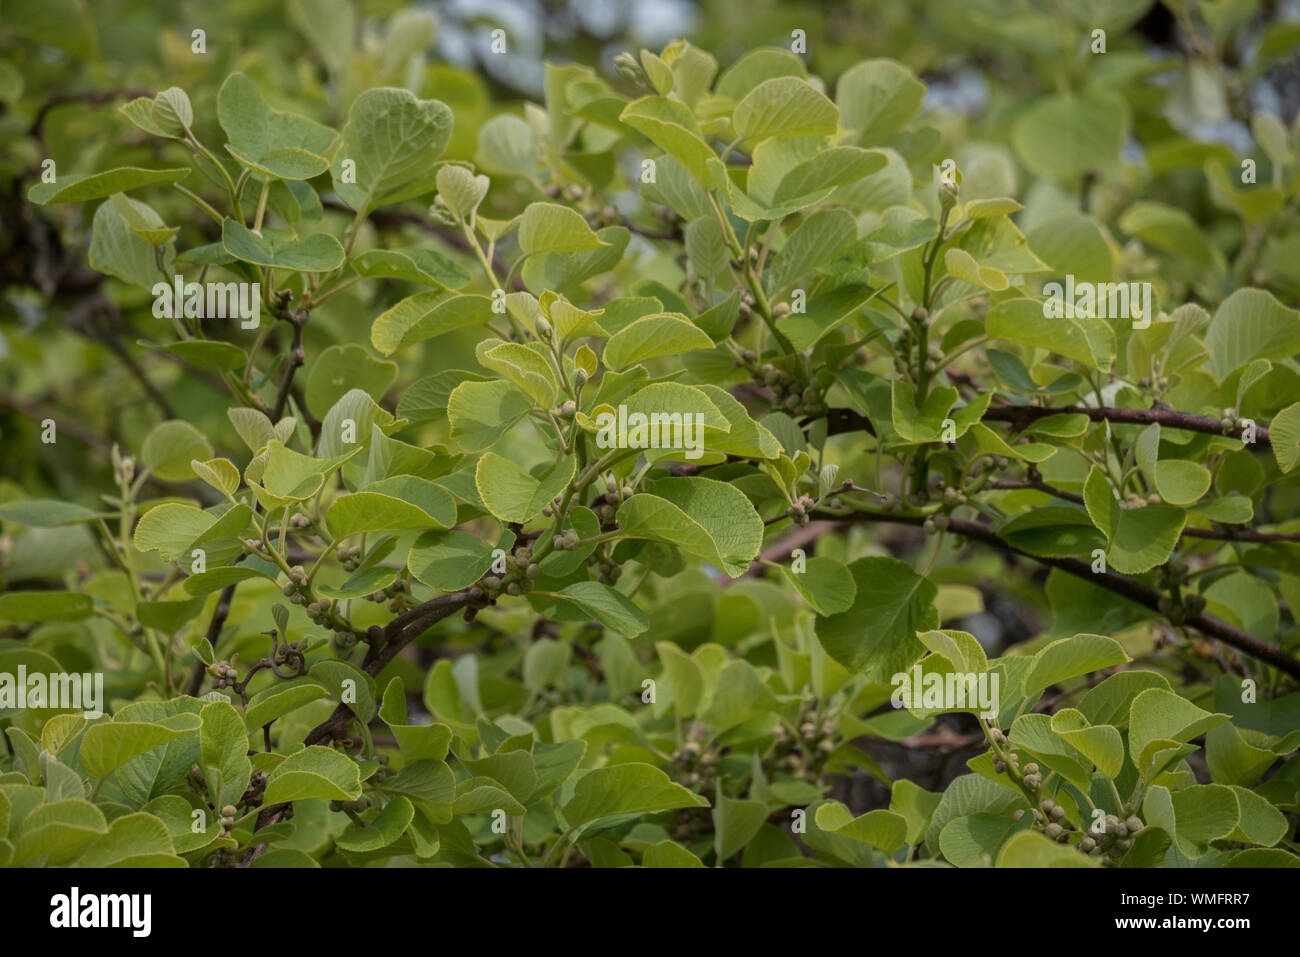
pixel 330 378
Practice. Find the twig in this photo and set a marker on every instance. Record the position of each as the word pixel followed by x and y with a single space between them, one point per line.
pixel 1022 416
pixel 1130 588
pixel 1217 534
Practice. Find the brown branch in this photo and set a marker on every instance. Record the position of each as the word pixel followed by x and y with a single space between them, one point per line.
pixel 297 357
pixel 1130 588
pixel 1216 534
pixel 399 633
pixel 90 99
pixel 781 550
pixel 1022 416
pixel 219 615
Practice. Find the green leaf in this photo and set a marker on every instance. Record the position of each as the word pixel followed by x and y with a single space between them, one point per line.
pixel 133 840
pixel 168 617
pixel 1158 714
pixel 267 141
pixel 709 519
pixel 784 106
pixel 461 190
pixel 1171 229
pixel 292 475
pixel 608 606
pixel 399 502
pixel 481 412
pixel 393 139
pixel 362 583
pixel 223 748
pixel 826 584
pixel 818 240
pixel 970 794
pixel 974 840
pixel 314 772
pixel 551 228
pixel 877 98
pixel 172 111
pixel 959 647
pixel 58 832
pixel 806 182
pixel 506 147
pixel 448 561
pixel 962 265
pixel 671 126
pixel 739 695
pixel 877 635
pixel 78 189
pixel 221 474
pixel 563 272
pixel 706 247
pixel 1145 537
pixel 625 789
pixel 652 336
pixel 883 830
pixel 416 741
pixel 1100 744
pixel 45 606
pixel 669 854
pixel 1284 432
pixel 170 447
pixel 1140 538
pixel 735 823
pixel 319 252
pixel 1089 341
pixel 1070 657
pixel 527 367
pixel 685 678
pixel 117 249
pixel 341 368
pixel 754 67
pixel 1194 816
pixel 545 663
pixel 280 699
pixel 173 529
pixel 428 784
pixel 358 408
pixel 512 494
pixel 1072 243
pixel 427 315
pixel 926 424
pixel 1060 137
pixel 413 265
pixel 384 830
pixel 823 312
pixel 1031 849
pixel 110 744
pixel 1179 482
pixel 1250 324
pixel 1259 821
pixel 46 513
pixel 1053 531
